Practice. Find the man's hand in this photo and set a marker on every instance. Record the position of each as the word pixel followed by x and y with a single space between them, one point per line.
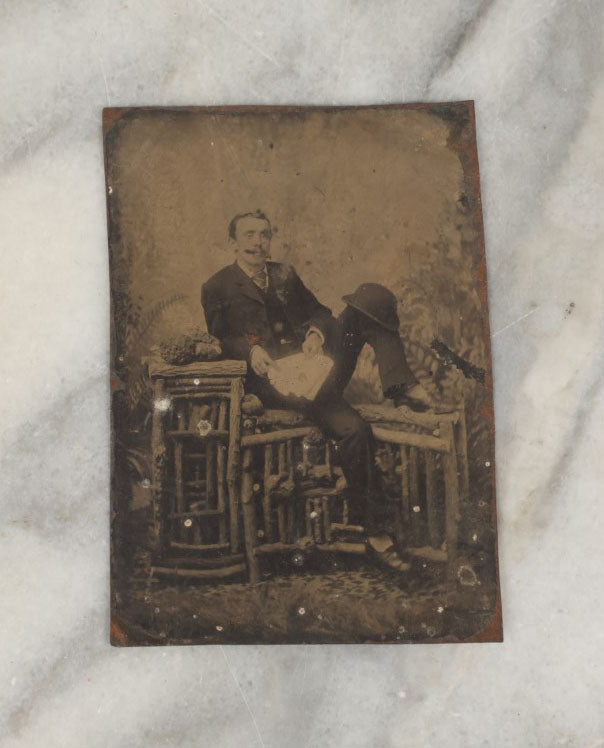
pixel 313 345
pixel 260 360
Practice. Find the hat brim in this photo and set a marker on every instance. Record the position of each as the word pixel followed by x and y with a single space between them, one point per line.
pixel 349 299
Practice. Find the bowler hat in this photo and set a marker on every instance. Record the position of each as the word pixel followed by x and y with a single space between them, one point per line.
pixel 377 302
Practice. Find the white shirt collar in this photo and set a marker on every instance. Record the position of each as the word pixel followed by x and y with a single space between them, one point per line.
pixel 252 273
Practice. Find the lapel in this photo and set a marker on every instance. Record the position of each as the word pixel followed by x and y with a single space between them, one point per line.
pixel 276 280
pixel 278 275
pixel 245 285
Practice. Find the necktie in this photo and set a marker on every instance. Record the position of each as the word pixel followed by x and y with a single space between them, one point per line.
pixel 261 279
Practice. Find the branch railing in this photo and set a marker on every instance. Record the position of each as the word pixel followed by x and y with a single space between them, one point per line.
pixel 221 477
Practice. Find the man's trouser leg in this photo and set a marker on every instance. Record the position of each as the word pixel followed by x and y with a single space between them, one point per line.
pixel 356 454
pixel 356 329
pixel 356 446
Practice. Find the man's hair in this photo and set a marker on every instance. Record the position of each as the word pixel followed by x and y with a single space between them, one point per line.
pixel 233 224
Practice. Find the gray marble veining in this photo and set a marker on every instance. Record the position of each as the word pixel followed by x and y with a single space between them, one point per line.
pixel 535 71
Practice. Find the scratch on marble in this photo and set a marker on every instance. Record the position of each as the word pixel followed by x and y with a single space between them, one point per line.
pixel 243 38
pixel 344 39
pixel 452 50
pixel 539 513
pixel 243 697
pixel 515 322
pixel 104 79
pixel 55 671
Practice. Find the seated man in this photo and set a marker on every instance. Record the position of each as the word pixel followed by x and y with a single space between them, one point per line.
pixel 262 311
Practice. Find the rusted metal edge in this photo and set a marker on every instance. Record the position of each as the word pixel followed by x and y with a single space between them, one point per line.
pixel 112 115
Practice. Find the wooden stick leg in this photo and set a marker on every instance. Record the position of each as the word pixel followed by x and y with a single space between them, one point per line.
pixel 158 468
pixel 280 508
pixel 326 518
pixel 197 529
pixel 399 530
pixel 431 510
pixel 177 532
pixel 221 474
pixel 316 523
pixel 249 520
pixel 451 500
pixel 308 520
pixel 281 522
pixel 290 521
pixel 233 461
pixel 461 441
pixel 404 505
pixel 266 501
pixel 414 496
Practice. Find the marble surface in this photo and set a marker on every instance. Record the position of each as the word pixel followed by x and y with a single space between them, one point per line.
pixel 536 72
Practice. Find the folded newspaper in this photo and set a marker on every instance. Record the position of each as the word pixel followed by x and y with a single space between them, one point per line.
pixel 300 375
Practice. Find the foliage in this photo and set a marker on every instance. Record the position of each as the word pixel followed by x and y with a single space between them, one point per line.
pixel 439 301
pixel 135 330
pixel 196 346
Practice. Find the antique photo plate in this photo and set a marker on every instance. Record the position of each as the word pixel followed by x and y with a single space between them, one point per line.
pixel 346 495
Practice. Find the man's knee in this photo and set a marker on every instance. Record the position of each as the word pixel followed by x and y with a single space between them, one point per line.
pixel 341 422
pixel 355 429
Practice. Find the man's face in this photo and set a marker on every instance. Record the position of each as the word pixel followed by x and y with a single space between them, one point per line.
pixel 252 241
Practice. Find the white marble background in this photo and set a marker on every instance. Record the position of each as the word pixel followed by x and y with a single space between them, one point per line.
pixel 535 69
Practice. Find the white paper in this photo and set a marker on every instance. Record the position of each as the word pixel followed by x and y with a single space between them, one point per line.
pixel 300 375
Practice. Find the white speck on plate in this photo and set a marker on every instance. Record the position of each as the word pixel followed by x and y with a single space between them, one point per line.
pixel 416 509
pixel 163 404
pixel 301 611
pixel 298 559
pixel 204 427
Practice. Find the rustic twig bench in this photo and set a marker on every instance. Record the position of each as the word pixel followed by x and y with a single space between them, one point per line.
pixel 230 488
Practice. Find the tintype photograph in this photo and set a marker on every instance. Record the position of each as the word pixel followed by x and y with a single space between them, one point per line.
pixel 302 422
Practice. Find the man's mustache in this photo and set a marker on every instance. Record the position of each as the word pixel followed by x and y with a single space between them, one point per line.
pixel 255 252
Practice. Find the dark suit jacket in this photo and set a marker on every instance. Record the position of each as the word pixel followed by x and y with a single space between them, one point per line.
pixel 236 310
